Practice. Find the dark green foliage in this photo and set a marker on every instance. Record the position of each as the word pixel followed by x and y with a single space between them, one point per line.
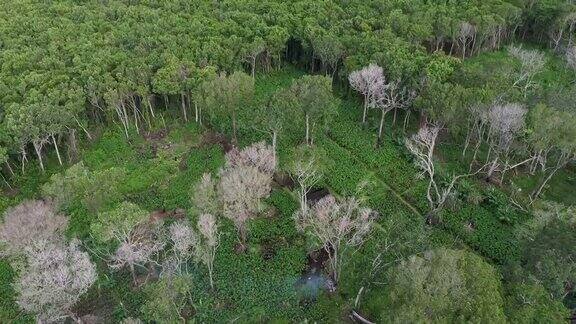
pixel 129 47
pixel 9 311
pixel 549 256
pixel 484 231
pixel 442 285
pixel 528 301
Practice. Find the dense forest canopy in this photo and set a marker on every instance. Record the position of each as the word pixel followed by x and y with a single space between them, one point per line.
pixel 258 160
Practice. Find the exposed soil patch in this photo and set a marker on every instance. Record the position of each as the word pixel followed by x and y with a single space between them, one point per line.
pixel 155 141
pixel 158 215
pixel 96 310
pixel 145 275
pixel 432 219
pixel 213 138
pixel 471 226
pixel 316 194
pixel 317 260
pixel 10 192
pixel 155 136
pixel 283 180
pixel 268 250
pixel 240 248
pixel 208 138
pixel 187 313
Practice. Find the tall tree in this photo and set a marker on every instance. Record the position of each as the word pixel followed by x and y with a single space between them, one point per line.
pixel 316 101
pixel 553 142
pixel 339 226
pixel 422 145
pixel 225 95
pixel 200 243
pixel 443 285
pixel 54 280
pixel 370 82
pixel 136 240
pixel 30 221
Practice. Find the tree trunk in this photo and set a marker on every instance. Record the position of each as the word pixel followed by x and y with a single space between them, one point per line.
pixel 9 168
pixel 133 274
pixel 537 192
pixel 23 158
pixel 182 99
pixel 6 181
pixel 379 141
pixel 423 119
pixel 124 118
pixel 253 67
pixel 166 101
pixel 38 149
pixel 364 113
pixel 73 148
pixel 136 119
pixel 150 107
pixel 84 129
pixel 334 262
pixel 57 150
pixel 234 135
pixel 210 274
pixel 274 138
pixel 307 129
pixel 196 112
pixel 406 119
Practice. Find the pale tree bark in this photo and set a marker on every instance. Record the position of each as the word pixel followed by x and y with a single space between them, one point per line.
pixel 183 101
pixel 307 129
pixel 38 149
pixel 72 148
pixel 56 149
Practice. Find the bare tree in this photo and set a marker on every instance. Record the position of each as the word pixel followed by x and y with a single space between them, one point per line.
pixel 553 142
pixel 183 239
pixel 466 35
pixel 477 121
pixel 532 62
pixel 258 155
pixel 393 96
pixel 55 278
pixel 30 221
pixel 570 57
pixel 131 320
pixel 338 225
pixel 205 196
pixel 564 25
pixel 137 238
pixel 422 145
pixel 370 82
pixel 505 122
pixel 137 248
pixel 206 251
pixel 241 189
pixel 201 245
pixel 306 173
pixel 252 51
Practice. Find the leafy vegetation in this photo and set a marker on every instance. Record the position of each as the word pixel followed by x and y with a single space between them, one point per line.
pixel 272 161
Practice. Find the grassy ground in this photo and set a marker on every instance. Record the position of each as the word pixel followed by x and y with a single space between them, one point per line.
pixel 259 285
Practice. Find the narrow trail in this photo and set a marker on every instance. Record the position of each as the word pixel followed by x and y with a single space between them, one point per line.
pixel 379 178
